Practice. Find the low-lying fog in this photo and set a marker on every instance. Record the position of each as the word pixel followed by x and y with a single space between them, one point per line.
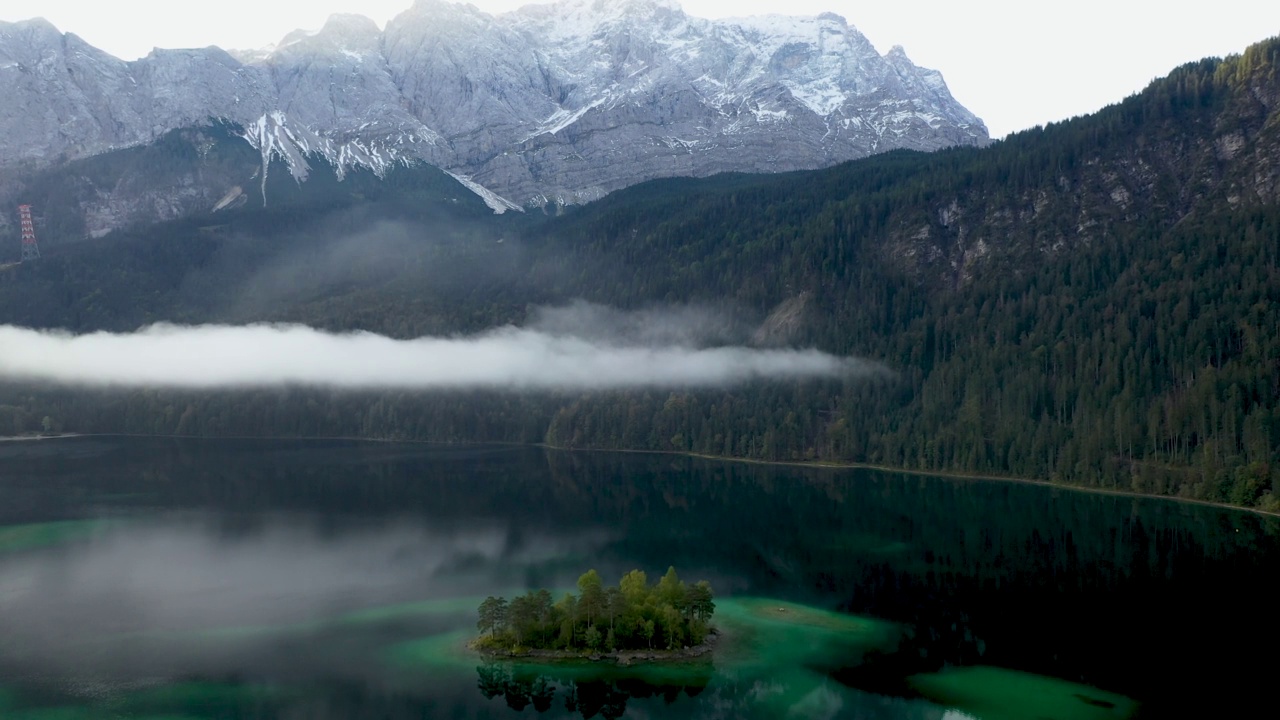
pixel 190 594
pixel 580 346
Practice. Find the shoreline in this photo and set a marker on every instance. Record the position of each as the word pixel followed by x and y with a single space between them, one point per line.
pixel 811 464
pixel 949 475
pixel 621 658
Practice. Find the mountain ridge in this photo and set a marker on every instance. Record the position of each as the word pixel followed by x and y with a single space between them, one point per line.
pixel 558 103
pixel 1092 302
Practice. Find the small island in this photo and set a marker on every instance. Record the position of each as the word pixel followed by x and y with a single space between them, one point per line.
pixel 632 620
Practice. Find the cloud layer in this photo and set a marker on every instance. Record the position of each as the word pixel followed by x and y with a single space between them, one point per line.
pixel 271 355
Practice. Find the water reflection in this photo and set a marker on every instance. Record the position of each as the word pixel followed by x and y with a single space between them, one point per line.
pixel 607 698
pixel 130 561
pixel 562 695
pixel 174 595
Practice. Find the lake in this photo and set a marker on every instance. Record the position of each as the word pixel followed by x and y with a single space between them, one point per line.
pixel 160 578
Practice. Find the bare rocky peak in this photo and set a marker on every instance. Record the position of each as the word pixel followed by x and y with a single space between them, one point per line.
pixel 559 102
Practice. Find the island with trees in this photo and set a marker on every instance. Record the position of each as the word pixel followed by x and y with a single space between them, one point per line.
pixel 628 621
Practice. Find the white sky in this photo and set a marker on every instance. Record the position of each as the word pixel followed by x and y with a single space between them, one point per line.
pixel 1015 63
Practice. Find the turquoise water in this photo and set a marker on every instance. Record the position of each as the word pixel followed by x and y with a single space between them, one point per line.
pixel 149 579
pixel 1001 694
pixel 14 538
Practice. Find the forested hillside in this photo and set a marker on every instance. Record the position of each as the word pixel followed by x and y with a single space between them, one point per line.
pixel 1095 302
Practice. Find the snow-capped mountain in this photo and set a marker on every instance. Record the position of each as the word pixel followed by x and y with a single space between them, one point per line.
pixel 561 102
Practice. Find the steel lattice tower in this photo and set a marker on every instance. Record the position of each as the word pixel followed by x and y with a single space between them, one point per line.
pixel 30 250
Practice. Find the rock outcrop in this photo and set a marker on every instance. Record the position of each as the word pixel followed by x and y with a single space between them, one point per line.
pixel 557 103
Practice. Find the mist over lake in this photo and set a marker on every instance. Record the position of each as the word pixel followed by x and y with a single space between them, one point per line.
pixel 262 578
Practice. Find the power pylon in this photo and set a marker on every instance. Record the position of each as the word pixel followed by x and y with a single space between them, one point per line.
pixel 30 250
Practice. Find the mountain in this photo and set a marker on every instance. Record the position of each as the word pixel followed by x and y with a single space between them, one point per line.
pixel 558 103
pixel 1093 302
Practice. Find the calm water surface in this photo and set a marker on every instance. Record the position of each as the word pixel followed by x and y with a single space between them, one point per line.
pixel 256 579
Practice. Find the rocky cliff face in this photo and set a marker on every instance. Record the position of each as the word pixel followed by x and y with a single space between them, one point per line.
pixel 550 103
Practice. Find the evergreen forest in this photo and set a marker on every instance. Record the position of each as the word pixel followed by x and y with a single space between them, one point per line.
pixel 631 615
pixel 1095 302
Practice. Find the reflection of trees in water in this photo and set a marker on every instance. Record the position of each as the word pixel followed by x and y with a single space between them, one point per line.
pixel 520 692
pixel 606 698
pixel 998 573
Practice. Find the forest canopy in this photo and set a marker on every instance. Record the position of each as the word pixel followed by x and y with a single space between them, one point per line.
pixel 1092 303
pixel 631 615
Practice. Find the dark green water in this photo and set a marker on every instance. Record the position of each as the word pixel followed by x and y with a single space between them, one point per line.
pixel 246 579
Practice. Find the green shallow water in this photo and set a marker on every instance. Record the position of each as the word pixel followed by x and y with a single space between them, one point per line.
pixel 991 693
pixel 771 653
pixel 252 580
pixel 448 652
pixel 775 655
pixel 16 538
pixel 775 651
pixel 763 632
pixel 756 634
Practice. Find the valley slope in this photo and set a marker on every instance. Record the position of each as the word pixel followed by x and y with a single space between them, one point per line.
pixel 1093 302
